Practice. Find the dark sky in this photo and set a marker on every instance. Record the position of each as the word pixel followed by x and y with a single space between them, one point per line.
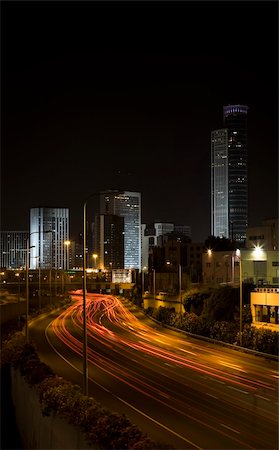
pixel 98 95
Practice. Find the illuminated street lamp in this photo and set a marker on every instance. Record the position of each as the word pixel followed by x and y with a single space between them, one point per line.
pixel 27 279
pixel 85 362
pixel 238 254
pixel 142 280
pixel 67 243
pixel 95 256
pixel 18 277
pixel 39 291
pixel 154 283
pixel 180 291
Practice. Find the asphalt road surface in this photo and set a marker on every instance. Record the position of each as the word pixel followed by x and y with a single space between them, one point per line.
pixel 181 391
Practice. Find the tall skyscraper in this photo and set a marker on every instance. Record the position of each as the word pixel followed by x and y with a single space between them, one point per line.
pixel 13 245
pixel 229 175
pixel 219 184
pixel 109 239
pixel 49 230
pixel 127 205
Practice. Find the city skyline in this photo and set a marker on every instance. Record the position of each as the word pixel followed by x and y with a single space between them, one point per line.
pixel 112 97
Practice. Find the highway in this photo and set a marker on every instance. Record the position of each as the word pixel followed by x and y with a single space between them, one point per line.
pixel 181 391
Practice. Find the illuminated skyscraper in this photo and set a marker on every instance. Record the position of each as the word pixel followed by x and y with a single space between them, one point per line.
pixel 13 249
pixel 49 230
pixel 127 205
pixel 219 184
pixel 229 175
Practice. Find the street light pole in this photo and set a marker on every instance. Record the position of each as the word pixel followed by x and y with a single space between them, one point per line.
pixel 27 289
pixel 18 290
pixel 180 292
pixel 95 256
pixel 238 254
pixel 40 300
pixel 27 280
pixel 240 301
pixel 85 361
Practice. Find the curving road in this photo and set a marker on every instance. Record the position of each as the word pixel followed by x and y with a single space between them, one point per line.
pixel 184 392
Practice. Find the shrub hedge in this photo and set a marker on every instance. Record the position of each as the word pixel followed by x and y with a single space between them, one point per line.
pixel 103 428
pixel 261 340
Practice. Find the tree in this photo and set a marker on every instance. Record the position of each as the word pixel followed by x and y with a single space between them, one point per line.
pixel 222 304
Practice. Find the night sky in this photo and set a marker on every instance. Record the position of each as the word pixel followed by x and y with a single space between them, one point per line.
pixel 99 95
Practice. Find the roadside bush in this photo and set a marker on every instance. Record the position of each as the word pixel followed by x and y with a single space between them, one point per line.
pixel 224 331
pixel 12 349
pixel 102 427
pixel 194 300
pixel 259 339
pixel 222 304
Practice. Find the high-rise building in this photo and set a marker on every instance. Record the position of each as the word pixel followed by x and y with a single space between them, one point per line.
pixel 13 249
pixel 229 175
pixel 127 205
pixel 109 238
pixel 219 184
pixel 49 230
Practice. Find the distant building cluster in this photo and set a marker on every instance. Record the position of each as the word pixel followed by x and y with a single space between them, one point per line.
pixel 118 240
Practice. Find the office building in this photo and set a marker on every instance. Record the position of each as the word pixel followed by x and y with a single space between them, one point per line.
pixel 13 245
pixel 149 238
pixel 109 239
pixel 127 205
pixel 49 231
pixel 219 184
pixel 229 175
pixel 265 236
pixel 160 235
pixel 183 231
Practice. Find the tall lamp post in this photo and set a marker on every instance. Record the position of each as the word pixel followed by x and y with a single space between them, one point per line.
pixel 40 298
pixel 154 283
pixel 67 243
pixel 85 362
pixel 238 254
pixel 27 279
pixel 27 288
pixel 95 256
pixel 142 280
pixel 18 293
pixel 180 291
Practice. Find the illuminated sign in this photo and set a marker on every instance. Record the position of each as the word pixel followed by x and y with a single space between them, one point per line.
pixel 121 276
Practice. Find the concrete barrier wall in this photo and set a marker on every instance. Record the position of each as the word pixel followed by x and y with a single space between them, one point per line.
pixel 37 431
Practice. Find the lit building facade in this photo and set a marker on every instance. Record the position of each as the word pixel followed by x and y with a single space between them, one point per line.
pixel 258 267
pixel 13 246
pixel 219 184
pixel 235 120
pixel 109 238
pixel 49 230
pixel 265 236
pixel 127 205
pixel 229 175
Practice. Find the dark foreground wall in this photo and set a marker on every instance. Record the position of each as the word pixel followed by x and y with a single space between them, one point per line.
pixel 10 437
pixel 36 430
